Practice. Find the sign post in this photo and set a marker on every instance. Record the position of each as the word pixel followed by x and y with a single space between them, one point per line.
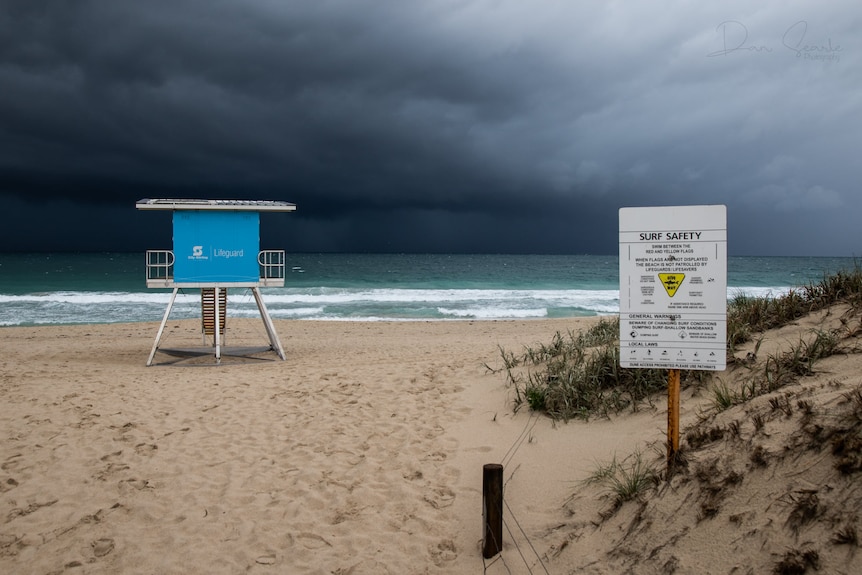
pixel 672 416
pixel 673 294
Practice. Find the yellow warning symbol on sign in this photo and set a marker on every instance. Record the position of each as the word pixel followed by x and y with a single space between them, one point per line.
pixel 671 282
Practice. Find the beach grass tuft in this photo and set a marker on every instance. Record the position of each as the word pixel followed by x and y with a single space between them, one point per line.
pixel 579 375
pixel 797 562
pixel 846 536
pixel 625 480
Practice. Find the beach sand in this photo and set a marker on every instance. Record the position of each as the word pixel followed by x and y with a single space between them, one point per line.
pixel 362 453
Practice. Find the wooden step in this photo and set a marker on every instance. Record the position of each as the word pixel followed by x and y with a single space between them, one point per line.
pixel 208 310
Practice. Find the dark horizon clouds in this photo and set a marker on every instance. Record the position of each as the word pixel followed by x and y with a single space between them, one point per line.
pixel 441 126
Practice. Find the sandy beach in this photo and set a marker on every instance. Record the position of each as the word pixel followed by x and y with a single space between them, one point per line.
pixel 361 453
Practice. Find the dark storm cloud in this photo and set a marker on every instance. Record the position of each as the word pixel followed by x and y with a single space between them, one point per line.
pixel 441 126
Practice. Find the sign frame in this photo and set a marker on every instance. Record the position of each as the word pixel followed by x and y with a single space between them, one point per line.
pixel 673 287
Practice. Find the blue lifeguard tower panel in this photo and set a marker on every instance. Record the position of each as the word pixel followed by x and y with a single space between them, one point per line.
pixel 216 246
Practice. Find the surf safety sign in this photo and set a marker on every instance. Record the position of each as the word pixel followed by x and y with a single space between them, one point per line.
pixel 673 287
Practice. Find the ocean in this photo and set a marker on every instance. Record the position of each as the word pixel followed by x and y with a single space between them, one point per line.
pixel 91 288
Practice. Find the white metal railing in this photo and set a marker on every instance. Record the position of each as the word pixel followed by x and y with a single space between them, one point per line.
pixel 271 264
pixel 160 265
pixel 160 268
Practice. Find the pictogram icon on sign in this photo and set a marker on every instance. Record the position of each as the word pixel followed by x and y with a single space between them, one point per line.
pixel 671 282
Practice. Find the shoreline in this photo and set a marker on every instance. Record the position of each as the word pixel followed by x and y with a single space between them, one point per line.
pixel 592 315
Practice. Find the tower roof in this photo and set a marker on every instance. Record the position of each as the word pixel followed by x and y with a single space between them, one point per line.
pixel 227 205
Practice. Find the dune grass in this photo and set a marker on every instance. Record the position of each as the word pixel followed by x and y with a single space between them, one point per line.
pixel 747 315
pixel 627 479
pixel 578 375
pixel 710 474
pixel 779 369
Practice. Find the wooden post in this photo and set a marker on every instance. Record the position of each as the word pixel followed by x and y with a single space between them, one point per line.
pixel 492 516
pixel 672 416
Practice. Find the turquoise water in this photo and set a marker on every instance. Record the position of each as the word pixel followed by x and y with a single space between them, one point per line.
pixel 110 287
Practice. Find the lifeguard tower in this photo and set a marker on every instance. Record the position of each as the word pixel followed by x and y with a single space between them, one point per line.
pixel 216 247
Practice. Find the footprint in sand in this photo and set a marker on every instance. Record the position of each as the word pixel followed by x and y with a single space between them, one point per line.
pixel 443 552
pixel 111 456
pixel 413 475
pixel 440 497
pixel 102 547
pixel 123 430
pixel 313 541
pixel 11 462
pixel 169 433
pixel 138 484
pixel 145 448
pixel 8 484
pixel 364 567
pixel 109 470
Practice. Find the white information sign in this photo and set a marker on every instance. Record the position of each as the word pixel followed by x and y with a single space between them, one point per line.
pixel 673 287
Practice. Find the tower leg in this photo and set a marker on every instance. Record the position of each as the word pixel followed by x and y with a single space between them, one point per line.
pixel 162 327
pixel 217 326
pixel 267 322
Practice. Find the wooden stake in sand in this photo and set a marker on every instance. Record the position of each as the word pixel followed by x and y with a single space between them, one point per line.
pixel 492 516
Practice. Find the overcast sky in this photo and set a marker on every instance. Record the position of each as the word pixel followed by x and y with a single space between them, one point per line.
pixel 434 125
